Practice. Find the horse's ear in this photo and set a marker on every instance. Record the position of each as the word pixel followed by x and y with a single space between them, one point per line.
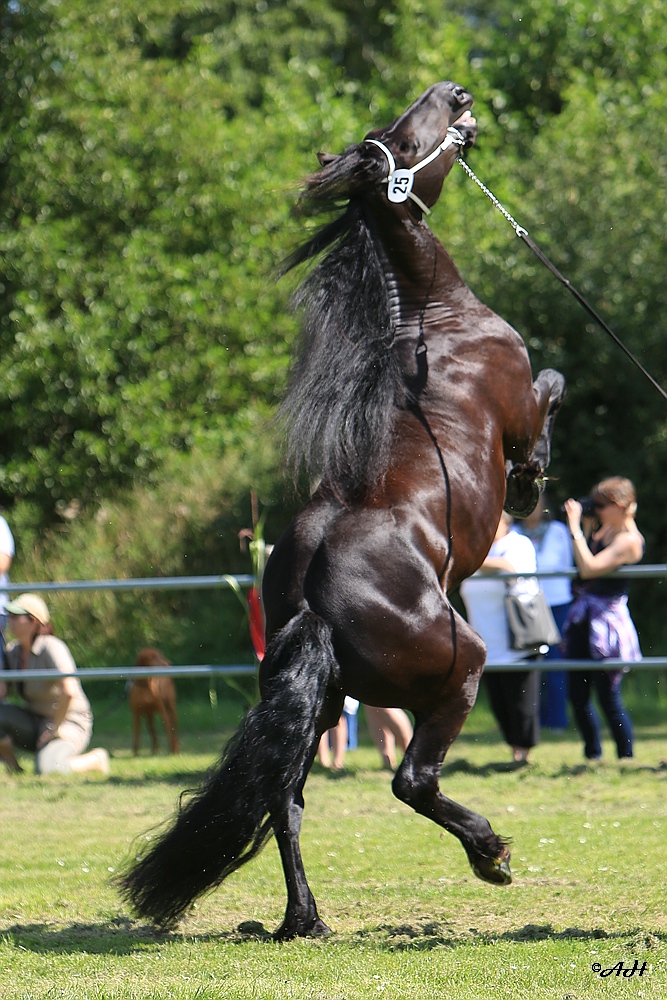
pixel 326 158
pixel 341 177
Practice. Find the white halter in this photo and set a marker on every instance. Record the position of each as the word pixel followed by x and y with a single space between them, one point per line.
pixel 399 182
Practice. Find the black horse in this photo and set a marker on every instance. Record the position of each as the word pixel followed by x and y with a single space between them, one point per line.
pixel 411 401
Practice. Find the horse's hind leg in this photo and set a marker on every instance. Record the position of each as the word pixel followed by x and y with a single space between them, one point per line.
pixel 168 716
pixel 301 916
pixel 417 781
pixel 150 725
pixel 417 784
pixel 136 732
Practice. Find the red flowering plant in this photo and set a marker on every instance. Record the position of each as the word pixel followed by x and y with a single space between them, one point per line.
pixel 254 539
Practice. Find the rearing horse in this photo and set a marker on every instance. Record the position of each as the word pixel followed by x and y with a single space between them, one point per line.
pixel 412 401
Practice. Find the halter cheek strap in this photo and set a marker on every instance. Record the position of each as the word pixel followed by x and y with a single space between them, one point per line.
pixel 400 182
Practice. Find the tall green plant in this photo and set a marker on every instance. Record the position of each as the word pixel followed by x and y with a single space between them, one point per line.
pixel 185 525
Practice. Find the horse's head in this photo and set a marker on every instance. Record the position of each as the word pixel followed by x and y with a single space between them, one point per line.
pixel 407 160
pixel 420 129
pixel 151 657
pixel 414 145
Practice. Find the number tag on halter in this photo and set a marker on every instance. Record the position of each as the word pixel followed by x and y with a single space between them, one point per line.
pixel 399 185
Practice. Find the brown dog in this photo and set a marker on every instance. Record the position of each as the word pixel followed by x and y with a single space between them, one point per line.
pixel 149 695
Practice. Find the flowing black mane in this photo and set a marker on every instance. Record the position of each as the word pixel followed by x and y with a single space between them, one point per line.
pixel 346 383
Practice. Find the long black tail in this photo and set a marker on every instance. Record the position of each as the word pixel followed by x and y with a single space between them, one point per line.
pixel 228 819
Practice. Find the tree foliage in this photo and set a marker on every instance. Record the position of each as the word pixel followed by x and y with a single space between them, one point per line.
pixel 144 180
pixel 588 182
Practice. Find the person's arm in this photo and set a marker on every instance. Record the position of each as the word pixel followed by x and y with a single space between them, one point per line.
pixel 63 661
pixel 624 550
pixel 496 564
pixel 52 727
pixel 5 562
pixel 68 693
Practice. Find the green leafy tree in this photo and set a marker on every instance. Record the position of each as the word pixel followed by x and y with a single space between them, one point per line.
pixel 143 188
pixel 581 164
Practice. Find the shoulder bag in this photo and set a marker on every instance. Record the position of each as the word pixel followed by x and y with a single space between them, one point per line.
pixel 531 622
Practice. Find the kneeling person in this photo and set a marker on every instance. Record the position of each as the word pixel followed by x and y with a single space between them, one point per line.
pixel 54 720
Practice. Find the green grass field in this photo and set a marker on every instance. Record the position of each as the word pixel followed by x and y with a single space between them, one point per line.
pixel 410 919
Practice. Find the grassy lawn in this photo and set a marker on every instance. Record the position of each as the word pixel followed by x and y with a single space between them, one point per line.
pixel 410 919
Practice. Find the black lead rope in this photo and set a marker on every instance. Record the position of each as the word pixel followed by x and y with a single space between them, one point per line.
pixel 523 234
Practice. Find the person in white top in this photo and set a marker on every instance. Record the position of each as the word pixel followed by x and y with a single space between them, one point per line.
pixel 6 556
pixel 513 694
pixel 553 546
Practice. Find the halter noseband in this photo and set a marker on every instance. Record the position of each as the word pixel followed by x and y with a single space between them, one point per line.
pixel 399 182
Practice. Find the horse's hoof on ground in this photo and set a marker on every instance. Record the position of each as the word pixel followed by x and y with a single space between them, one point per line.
pixel 494 870
pixel 319 929
pixel 290 930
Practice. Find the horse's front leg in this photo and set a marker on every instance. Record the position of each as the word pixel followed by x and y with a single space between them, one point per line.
pixel 525 479
pixel 549 389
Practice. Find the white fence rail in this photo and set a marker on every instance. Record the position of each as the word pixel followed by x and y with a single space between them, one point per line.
pixel 140 583
pixel 246 669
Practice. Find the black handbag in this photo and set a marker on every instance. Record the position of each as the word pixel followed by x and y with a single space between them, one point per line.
pixel 530 621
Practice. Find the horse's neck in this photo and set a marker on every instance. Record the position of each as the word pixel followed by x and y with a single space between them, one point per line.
pixel 421 277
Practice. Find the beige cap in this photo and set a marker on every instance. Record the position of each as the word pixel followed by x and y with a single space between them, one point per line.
pixel 29 604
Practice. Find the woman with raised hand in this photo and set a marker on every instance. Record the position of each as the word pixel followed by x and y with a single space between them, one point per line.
pixel 598 625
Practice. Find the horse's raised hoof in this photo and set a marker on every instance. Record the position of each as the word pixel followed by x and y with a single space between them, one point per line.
pixel 291 929
pixel 524 486
pixel 494 870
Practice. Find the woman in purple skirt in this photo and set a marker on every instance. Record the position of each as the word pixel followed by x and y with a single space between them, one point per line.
pixel 598 625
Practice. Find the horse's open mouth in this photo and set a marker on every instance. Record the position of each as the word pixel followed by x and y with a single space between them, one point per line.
pixel 465 119
pixel 466 127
